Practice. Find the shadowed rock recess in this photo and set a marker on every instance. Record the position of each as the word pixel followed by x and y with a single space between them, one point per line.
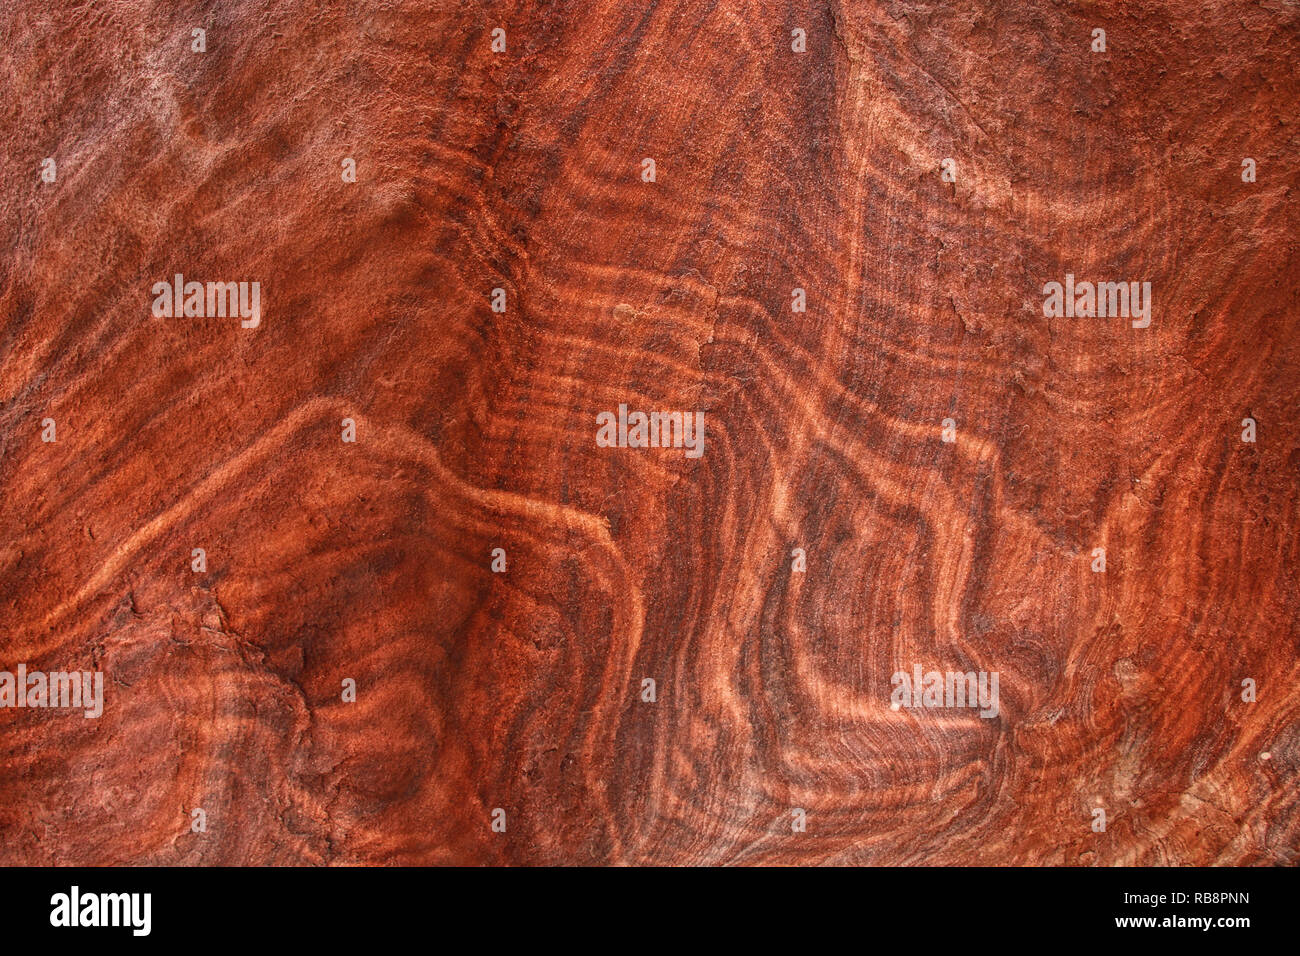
pixel 910 475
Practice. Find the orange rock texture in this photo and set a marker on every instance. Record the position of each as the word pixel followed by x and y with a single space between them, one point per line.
pixel 839 257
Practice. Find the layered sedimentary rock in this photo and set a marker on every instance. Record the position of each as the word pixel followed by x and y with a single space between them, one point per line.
pixel 924 469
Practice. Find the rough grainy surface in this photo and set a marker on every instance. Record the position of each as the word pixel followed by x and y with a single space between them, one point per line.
pixel 521 690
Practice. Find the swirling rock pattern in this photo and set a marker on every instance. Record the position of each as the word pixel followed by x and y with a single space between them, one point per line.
pixel 521 690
